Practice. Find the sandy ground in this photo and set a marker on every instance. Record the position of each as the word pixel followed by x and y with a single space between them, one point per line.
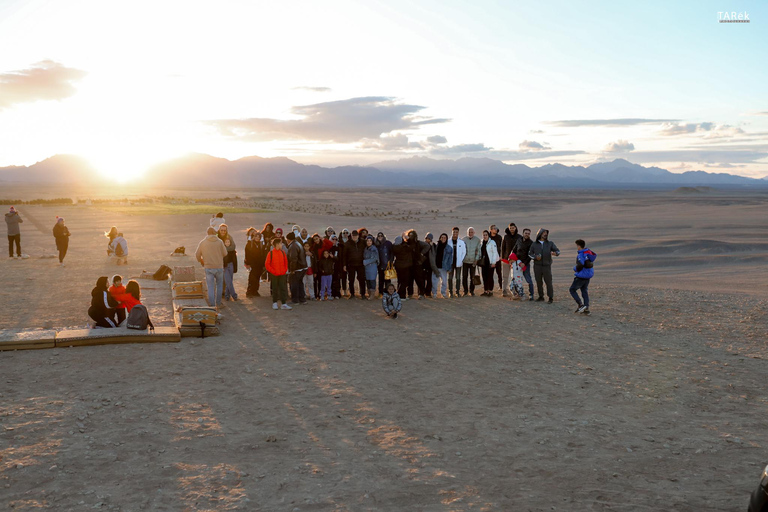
pixel 655 402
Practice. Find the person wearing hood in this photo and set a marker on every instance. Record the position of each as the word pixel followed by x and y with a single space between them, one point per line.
pixel 328 232
pixel 403 254
pixel 343 239
pixel 541 253
pixel 440 261
pixel 511 237
pixel 102 310
pixel 521 249
pixel 12 221
pixel 297 266
pixel 470 261
pixel 217 221
pixel 458 251
pixel 390 301
pixel 385 259
pixel 255 254
pixel 489 258
pixel 230 263
pixel 119 248
pixel 498 241
pixel 61 236
pixel 371 263
pixel 211 252
pixel 353 263
pixel 583 271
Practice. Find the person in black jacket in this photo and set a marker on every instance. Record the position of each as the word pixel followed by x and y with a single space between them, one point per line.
pixel 496 237
pixel 255 255
pixel 338 265
pixel 521 250
pixel 297 267
pixel 511 237
pixel 102 309
pixel 61 235
pixel 353 263
pixel 403 254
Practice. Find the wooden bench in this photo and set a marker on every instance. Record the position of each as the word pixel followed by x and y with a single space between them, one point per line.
pixel 26 340
pixel 85 337
pixel 188 313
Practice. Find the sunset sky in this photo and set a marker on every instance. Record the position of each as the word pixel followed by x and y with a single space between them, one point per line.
pixel 128 84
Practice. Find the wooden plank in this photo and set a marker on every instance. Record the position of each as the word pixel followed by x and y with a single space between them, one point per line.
pixel 85 337
pixel 27 339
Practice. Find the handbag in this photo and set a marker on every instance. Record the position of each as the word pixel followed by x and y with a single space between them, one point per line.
pixel 390 273
pixel 476 280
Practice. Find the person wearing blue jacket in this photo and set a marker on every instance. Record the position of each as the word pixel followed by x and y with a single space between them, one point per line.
pixel 385 258
pixel 371 264
pixel 582 272
pixel 441 261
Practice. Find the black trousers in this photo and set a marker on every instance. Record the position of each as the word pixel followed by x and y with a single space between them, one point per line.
pixel 298 294
pixel 11 240
pixel 543 274
pixel 253 281
pixel 383 283
pixel 343 280
pixel 467 271
pixel 404 281
pixel 358 271
pixel 336 286
pixel 498 274
pixel 102 321
pixel 487 271
pixel 62 244
pixel 421 277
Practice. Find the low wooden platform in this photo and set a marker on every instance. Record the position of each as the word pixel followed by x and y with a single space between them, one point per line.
pixel 26 340
pixel 86 337
pixel 188 313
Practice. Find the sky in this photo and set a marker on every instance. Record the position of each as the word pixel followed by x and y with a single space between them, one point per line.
pixel 130 84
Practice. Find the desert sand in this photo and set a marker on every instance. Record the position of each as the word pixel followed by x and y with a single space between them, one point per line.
pixel 656 401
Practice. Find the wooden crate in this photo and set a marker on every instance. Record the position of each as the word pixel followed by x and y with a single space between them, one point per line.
pixel 27 339
pixel 85 337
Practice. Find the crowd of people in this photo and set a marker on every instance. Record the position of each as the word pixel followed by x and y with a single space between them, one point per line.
pixel 300 267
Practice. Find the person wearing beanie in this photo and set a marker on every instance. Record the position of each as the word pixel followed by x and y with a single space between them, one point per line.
pixel 61 236
pixel 211 252
pixel 12 221
pixel 371 263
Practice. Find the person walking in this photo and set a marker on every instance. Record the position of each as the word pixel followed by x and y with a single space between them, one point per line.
pixel 541 253
pixel 458 252
pixel 255 254
pixel 371 263
pixel 297 266
pixel 470 262
pixel 583 271
pixel 353 263
pixel 230 263
pixel 511 237
pixel 12 221
pixel 489 257
pixel 210 253
pixel 61 236
pixel 441 260
pixel 277 266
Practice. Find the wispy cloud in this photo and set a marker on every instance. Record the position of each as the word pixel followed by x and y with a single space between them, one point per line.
pixel 437 139
pixel 532 145
pixel 620 146
pixel 344 121
pixel 392 142
pixel 710 130
pixel 312 89
pixel 45 80
pixel 481 150
pixel 628 121
pixel 727 155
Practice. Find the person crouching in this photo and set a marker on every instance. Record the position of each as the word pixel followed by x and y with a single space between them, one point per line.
pixel 391 302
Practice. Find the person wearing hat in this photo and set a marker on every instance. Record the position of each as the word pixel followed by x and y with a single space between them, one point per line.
pixel 61 235
pixel 12 221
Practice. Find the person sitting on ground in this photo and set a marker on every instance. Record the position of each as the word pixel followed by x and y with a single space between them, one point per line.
pixel 111 235
pixel 61 236
pixel 116 290
pixel 391 301
pixel 217 220
pixel 277 266
pixel 12 221
pixel 131 296
pixel 582 273
pixel 102 310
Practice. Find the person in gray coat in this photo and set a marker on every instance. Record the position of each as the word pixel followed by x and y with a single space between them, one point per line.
pixel 12 221
pixel 541 253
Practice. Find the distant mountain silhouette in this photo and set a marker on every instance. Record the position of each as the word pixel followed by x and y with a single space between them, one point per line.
pixel 201 170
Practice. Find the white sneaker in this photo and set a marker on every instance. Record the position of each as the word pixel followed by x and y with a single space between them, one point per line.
pixel 285 306
pixel 274 305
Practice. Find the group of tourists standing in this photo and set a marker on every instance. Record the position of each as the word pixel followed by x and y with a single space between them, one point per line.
pixel 357 263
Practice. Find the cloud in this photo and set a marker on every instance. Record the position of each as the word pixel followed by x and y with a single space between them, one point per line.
pixel 609 122
pixel 728 155
pixel 711 130
pixel 531 145
pixel 392 142
pixel 343 121
pixel 481 150
pixel 312 89
pixel 461 148
pixel 725 166
pixel 620 146
pixel 535 131
pixel 437 139
pixel 45 80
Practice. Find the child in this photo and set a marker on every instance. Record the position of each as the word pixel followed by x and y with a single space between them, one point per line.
pixel 309 277
pixel 277 266
pixel 391 302
pixel 327 266
pixel 116 290
pixel 583 271
pixel 516 269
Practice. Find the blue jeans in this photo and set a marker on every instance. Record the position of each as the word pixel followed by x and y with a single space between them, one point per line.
pixel 527 276
pixel 442 276
pixel 229 281
pixel 371 286
pixel 580 284
pixel 214 278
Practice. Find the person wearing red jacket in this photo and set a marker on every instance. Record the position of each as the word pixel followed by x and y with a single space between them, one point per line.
pixel 277 266
pixel 116 289
pixel 131 296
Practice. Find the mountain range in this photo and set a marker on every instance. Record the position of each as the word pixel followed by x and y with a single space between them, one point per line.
pixel 201 170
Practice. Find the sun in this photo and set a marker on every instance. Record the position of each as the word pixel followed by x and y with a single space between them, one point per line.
pixel 124 166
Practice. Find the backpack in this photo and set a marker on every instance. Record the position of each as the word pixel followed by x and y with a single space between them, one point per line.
pixel 119 250
pixel 138 318
pixel 162 273
pixel 180 250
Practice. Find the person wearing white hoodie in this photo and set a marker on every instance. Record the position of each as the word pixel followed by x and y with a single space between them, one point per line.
pixel 489 259
pixel 217 220
pixel 459 249
pixel 119 247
